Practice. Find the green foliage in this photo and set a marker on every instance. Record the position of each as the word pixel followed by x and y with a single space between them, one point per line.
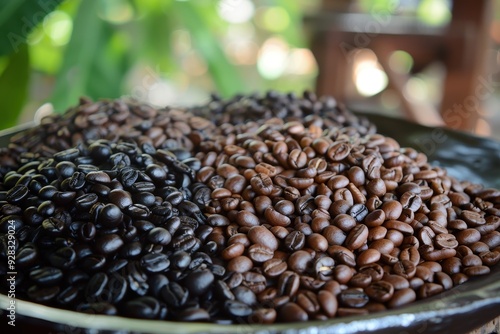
pixel 93 48
pixel 18 18
pixel 14 86
pixel 227 80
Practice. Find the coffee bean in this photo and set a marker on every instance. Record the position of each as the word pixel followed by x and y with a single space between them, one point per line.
pixel 295 240
pixel 262 236
pixel 291 312
pixel 260 253
pixel 46 276
pixel 353 298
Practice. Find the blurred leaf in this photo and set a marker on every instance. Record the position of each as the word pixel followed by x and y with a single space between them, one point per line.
pixel 18 18
pixel 108 68
pixel 76 70
pixel 14 87
pixel 224 74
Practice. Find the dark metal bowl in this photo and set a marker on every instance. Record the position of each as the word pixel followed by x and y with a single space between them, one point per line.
pixel 458 310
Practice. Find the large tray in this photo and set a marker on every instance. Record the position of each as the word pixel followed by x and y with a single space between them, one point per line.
pixel 458 310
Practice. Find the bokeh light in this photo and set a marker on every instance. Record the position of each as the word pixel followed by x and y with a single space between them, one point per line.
pixel 369 77
pixel 274 19
pixel 116 11
pixel 58 26
pixel 401 62
pixel 434 12
pixel 272 59
pixel 236 11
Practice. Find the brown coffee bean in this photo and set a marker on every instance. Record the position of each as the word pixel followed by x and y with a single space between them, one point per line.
pixel 345 222
pixel 459 278
pixel 426 236
pixel 444 280
pixel 472 218
pixel 291 312
pixel 274 267
pixel 490 258
pixel 317 242
pixel 468 236
pixel 288 283
pixel 405 269
pixel 265 168
pixel 375 218
pixel 246 218
pixel 233 251
pixel 429 290
pixel 279 232
pixel 262 184
pixel 353 298
pixel 476 270
pixel 275 218
pixel 295 240
pixel 437 254
pixel 368 256
pixel 479 247
pixel 392 209
pixel 492 239
pixel 395 236
pixel 410 254
pixel 338 151
pixel 328 303
pixel 299 261
pixel 376 187
pixel 338 182
pixel 260 253
pixel 471 260
pixel 360 280
pixel 383 246
pixel 377 233
pixel 452 265
pixel 239 238
pixel 262 236
pixel 424 273
pixel 357 237
pixel 397 225
pixel 380 291
pixel 342 273
pixel 445 241
pixel 263 316
pixel 334 235
pixel 308 301
pixel 398 282
pixel 240 264
pixel 402 297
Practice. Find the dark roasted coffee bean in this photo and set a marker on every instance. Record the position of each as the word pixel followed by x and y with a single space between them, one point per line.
pixel 155 262
pixel 142 307
pixel 108 244
pixel 46 276
pixel 295 241
pixel 17 193
pixel 237 308
pixel 42 294
pixel 62 258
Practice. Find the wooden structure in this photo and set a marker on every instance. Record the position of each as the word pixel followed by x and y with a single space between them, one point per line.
pixel 461 47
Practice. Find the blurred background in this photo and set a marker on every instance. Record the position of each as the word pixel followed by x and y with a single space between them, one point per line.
pixel 435 62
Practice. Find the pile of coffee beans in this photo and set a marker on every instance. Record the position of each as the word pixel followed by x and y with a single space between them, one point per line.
pixel 168 128
pixel 259 209
pixel 323 112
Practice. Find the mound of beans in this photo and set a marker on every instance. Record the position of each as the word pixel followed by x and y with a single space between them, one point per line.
pixel 168 128
pixel 323 112
pixel 305 214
